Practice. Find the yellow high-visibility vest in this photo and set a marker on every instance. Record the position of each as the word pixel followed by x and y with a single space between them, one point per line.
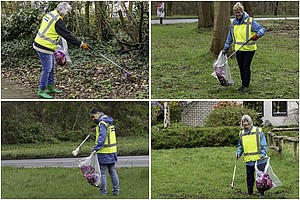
pixel 251 144
pixel 110 144
pixel 241 34
pixel 47 35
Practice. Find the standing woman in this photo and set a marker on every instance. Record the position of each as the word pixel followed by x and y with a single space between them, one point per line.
pixel 241 30
pixel 45 43
pixel 253 145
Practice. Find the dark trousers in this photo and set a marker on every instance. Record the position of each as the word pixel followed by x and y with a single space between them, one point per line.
pixel 250 176
pixel 244 59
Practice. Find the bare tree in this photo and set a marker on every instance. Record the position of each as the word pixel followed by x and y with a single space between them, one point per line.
pixel 221 26
pixel 87 16
pixel 167 120
pixel 169 8
pixel 248 7
pixel 205 14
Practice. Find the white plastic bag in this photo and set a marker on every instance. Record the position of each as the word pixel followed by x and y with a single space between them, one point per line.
pixel 266 177
pixel 222 71
pixel 90 169
pixel 64 48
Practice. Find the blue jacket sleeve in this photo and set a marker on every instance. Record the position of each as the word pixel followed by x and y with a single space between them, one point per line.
pixel 228 40
pixel 257 28
pixel 240 150
pixel 101 138
pixel 263 144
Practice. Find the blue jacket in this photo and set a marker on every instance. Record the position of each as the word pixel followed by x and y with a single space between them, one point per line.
pixel 104 158
pixel 256 27
pixel 263 144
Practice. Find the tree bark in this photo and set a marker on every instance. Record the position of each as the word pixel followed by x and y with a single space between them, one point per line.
pixel 87 17
pixel 166 114
pixel 169 8
pixel 221 26
pixel 248 8
pixel 205 14
pixel 99 19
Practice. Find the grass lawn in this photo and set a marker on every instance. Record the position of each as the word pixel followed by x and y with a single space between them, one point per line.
pixel 68 183
pixel 206 173
pixel 126 146
pixel 181 64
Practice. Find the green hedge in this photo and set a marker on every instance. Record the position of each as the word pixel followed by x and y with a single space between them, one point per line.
pixel 179 136
pixel 231 116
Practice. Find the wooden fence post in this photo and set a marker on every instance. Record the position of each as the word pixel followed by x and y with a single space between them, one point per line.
pixel 269 138
pixel 294 151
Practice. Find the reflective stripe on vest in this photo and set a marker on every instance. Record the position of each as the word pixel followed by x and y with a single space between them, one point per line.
pixel 47 35
pixel 251 144
pixel 241 34
pixel 110 144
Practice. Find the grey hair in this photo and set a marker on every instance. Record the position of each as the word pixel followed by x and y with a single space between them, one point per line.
pixel 63 8
pixel 238 7
pixel 248 119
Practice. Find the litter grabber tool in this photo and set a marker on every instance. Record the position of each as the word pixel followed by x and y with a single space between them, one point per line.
pixel 127 74
pixel 76 151
pixel 237 50
pixel 232 183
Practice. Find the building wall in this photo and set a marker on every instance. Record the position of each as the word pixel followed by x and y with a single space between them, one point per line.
pixel 279 120
pixel 196 112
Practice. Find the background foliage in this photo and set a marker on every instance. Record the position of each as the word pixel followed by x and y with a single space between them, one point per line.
pixel 231 116
pixel 126 42
pixel 51 122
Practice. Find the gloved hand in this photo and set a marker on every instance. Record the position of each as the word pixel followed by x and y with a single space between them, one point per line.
pixel 255 37
pixel 224 51
pixel 236 156
pixel 84 46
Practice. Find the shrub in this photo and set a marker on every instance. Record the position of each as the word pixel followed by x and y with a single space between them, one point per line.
pixel 22 24
pixel 179 136
pixel 18 53
pixel 231 116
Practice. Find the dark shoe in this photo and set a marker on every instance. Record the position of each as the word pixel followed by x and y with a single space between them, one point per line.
pixel 240 88
pixel 243 89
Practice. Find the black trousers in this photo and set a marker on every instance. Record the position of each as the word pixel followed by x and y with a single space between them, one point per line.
pixel 244 59
pixel 250 176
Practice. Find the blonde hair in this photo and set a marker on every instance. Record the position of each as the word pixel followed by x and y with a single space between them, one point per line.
pixel 238 7
pixel 248 119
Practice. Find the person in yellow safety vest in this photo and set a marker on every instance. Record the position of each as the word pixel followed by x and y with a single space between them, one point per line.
pixel 106 147
pixel 45 43
pixel 241 30
pixel 252 142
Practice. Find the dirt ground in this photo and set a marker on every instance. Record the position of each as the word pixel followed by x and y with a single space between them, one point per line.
pixel 11 90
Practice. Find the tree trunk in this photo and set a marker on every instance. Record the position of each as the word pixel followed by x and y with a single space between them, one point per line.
pixel 76 17
pixel 169 8
pixel 276 8
pixel 130 6
pixel 200 14
pixel 98 18
pixel 248 8
pixel 166 114
pixel 221 26
pixel 87 17
pixel 205 14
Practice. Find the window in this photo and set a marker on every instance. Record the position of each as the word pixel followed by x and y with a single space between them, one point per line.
pixel 279 108
pixel 258 106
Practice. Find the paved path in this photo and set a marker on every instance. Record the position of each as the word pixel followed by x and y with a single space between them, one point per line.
pixel 11 90
pixel 123 161
pixel 174 21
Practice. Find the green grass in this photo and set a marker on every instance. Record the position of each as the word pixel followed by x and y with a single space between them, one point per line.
pixel 182 65
pixel 68 183
pixel 126 146
pixel 206 173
